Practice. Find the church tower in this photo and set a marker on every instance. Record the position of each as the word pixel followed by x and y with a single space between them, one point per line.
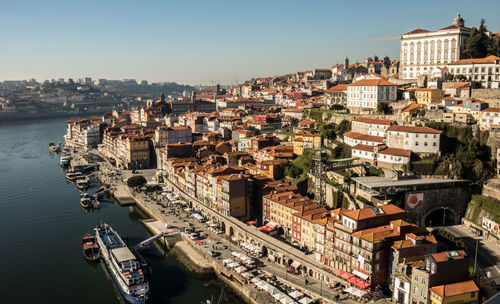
pixel 162 97
pixel 346 63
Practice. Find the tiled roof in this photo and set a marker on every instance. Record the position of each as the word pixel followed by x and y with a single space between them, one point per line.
pixel 364 148
pixel 454 289
pixel 396 152
pixel 365 213
pixel 410 129
pixel 374 121
pixel 372 82
pixel 360 136
pixel 489 59
pixel 411 107
pixel 459 85
pixel 337 88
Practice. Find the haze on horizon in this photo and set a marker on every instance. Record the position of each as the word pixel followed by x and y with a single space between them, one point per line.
pixel 205 42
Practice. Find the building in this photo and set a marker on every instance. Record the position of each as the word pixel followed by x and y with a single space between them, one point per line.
pixel 423 140
pixel 306 140
pixel 371 126
pixel 336 95
pixel 172 135
pixel 423 52
pixel 484 70
pixel 365 95
pixel 489 118
pixel 352 139
pixel 439 268
pixel 465 292
pixel 427 96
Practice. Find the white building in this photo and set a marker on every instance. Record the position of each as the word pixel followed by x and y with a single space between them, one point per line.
pixel 366 94
pixel 423 51
pixel 416 139
pixel 352 139
pixel 489 118
pixel 486 70
pixel 371 126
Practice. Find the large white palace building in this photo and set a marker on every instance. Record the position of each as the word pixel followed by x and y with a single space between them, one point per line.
pixel 425 52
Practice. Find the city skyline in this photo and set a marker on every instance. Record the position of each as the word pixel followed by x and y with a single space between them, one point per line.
pixel 207 43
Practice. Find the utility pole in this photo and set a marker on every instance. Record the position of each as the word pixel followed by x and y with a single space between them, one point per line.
pixel 475 256
pixel 444 215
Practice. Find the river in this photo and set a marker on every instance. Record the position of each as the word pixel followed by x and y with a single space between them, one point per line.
pixel 42 223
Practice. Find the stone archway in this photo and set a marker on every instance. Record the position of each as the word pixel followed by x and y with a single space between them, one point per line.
pixel 264 251
pixel 231 230
pixel 440 216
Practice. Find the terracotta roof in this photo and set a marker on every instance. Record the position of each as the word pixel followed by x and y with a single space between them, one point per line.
pixel 337 88
pixel 411 107
pixel 374 121
pixel 372 82
pixel 459 85
pixel 451 27
pixel 454 289
pixel 365 213
pixel 364 148
pixel 489 59
pixel 444 256
pixel 396 152
pixel 360 136
pixel 410 129
pixel 427 89
pixel 417 31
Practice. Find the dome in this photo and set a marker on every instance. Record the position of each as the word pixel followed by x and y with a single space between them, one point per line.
pixel 458 21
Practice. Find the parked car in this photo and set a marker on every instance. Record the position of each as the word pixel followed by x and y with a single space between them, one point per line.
pixel 213 253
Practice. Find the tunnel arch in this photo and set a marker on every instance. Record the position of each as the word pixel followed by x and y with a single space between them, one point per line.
pixel 440 216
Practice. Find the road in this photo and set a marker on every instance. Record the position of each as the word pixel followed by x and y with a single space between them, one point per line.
pixel 488 259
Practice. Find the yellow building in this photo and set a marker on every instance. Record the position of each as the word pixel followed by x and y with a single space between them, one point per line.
pixel 306 140
pixel 134 151
pixel 409 110
pixel 427 96
pixel 457 293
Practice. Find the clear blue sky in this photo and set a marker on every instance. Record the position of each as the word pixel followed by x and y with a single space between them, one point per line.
pixel 203 41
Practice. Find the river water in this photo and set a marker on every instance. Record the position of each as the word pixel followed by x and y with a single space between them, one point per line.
pixel 42 223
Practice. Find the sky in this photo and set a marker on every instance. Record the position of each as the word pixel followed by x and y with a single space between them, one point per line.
pixel 209 41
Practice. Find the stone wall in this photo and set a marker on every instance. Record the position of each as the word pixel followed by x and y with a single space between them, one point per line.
pixel 492 96
pixel 455 198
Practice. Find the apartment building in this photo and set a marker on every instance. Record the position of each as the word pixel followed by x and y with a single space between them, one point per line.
pixel 371 126
pixel 484 70
pixel 172 135
pixel 365 95
pixel 417 139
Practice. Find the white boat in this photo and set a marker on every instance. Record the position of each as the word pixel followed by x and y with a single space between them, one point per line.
pixel 64 161
pixel 82 183
pixel 123 265
pixel 72 176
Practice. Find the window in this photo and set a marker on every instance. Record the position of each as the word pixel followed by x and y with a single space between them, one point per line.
pixel 416 143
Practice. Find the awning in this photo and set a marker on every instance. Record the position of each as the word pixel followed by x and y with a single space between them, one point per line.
pixel 233 265
pixel 360 283
pixel 360 274
pixel 286 300
pixel 272 224
pixel 252 222
pixel 247 275
pixel 277 296
pixel 356 292
pixel 295 264
pixel 228 261
pixel 337 272
pixel 255 280
pixel 296 294
pixel 345 275
pixel 305 300
pixel 240 269
pixel 236 254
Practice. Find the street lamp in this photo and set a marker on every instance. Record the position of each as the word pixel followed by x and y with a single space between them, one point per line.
pixel 475 256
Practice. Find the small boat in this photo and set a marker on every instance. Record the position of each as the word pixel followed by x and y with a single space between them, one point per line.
pixel 95 202
pixel 123 265
pixel 64 161
pixel 90 248
pixel 82 183
pixel 72 176
pixel 53 148
pixel 86 201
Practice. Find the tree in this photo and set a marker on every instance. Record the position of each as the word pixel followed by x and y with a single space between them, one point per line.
pixel 136 181
pixel 343 126
pixel 478 43
pixel 328 131
pixel 294 121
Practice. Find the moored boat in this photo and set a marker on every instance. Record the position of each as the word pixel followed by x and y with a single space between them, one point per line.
pixel 85 201
pixel 65 160
pixel 122 265
pixel 90 248
pixel 82 183
pixel 72 176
